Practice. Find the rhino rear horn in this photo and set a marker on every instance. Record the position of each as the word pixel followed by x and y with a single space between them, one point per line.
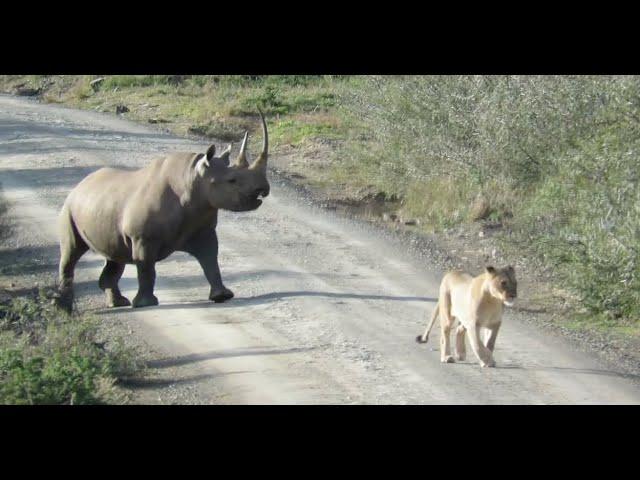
pixel 241 160
pixel 261 161
pixel 224 156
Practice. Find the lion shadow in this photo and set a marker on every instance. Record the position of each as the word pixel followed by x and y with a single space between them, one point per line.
pixel 585 371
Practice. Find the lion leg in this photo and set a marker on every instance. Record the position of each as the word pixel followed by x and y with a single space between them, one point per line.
pixel 483 353
pixel 493 335
pixel 446 322
pixel 204 247
pixel 461 350
pixel 111 274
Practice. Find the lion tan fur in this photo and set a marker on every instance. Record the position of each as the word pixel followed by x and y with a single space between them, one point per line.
pixel 474 305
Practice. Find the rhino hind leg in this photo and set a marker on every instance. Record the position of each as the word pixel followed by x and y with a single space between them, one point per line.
pixel 108 282
pixel 146 282
pixel 72 247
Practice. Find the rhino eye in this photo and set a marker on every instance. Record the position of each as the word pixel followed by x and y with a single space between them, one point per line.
pixel 232 180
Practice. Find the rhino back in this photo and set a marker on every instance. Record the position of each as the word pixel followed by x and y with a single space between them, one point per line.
pixel 96 206
pixel 112 208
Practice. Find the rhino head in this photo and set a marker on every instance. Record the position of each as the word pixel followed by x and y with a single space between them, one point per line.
pixel 237 186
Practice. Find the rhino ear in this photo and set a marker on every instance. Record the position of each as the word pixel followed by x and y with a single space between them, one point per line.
pixel 211 152
pixel 202 165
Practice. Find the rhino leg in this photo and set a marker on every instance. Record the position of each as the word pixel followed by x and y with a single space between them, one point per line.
pixel 108 282
pixel 146 282
pixel 72 247
pixel 204 247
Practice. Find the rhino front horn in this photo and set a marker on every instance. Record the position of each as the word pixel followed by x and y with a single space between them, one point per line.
pixel 261 161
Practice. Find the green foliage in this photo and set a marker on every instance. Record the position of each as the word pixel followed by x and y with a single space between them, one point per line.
pixel 586 221
pixel 131 81
pixel 49 357
pixel 293 132
pixel 557 156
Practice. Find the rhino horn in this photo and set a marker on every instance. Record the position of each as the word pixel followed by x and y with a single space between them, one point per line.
pixel 261 161
pixel 241 160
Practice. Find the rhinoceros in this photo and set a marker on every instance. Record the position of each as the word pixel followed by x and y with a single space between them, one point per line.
pixel 142 216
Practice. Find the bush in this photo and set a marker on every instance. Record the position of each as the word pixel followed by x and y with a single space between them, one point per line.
pixel 49 357
pixel 559 153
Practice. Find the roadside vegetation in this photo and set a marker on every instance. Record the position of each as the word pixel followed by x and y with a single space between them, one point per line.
pixel 214 106
pixel 48 357
pixel 553 161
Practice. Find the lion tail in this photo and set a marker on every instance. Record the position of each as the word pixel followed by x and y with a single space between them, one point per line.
pixel 424 338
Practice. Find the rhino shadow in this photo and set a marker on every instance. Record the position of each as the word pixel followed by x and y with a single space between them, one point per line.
pixel 35 259
pixel 56 177
pixel 239 302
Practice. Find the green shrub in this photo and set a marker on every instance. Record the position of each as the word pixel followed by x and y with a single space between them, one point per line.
pixel 557 156
pixel 49 357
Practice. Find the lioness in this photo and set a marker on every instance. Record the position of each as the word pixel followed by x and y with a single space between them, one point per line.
pixel 475 302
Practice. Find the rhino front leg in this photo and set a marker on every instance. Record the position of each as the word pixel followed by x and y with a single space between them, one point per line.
pixel 204 246
pixel 108 282
pixel 146 282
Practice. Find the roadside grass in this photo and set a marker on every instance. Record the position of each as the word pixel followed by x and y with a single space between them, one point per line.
pixel 50 357
pixel 214 106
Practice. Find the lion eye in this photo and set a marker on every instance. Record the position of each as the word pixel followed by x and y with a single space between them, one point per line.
pixel 504 283
pixel 232 180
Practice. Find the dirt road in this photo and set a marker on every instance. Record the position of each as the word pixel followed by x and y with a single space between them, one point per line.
pixel 326 309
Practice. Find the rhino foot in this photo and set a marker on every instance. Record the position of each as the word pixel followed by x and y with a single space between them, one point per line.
pixel 119 301
pixel 63 301
pixel 144 301
pixel 220 296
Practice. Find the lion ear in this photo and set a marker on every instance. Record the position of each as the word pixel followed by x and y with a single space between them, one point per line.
pixel 490 270
pixel 202 165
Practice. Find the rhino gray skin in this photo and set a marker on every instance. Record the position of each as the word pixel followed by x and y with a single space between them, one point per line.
pixel 141 217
